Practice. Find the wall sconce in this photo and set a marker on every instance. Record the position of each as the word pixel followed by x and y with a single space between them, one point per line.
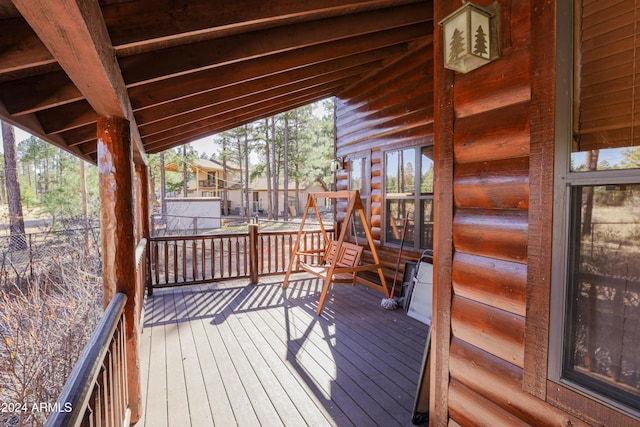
pixel 336 164
pixel 470 37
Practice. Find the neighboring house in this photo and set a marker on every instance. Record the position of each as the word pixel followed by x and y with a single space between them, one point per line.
pixel 258 197
pixel 206 180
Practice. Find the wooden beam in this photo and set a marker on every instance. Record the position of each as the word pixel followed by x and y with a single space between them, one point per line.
pixel 21 48
pixel 31 124
pixel 231 124
pixel 144 24
pixel 539 246
pixel 36 93
pixel 164 91
pixel 78 39
pixel 67 117
pixel 208 125
pixel 319 84
pixel 236 81
pixel 178 60
pixel 212 125
pixel 443 229
pixel 118 242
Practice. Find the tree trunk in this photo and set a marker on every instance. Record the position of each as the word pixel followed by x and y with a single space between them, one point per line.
pixel 267 154
pixel 246 170
pixel 163 188
pixel 225 182
pixel 285 158
pixel 274 169
pixel 242 186
pixel 296 166
pixel 83 194
pixel 16 220
pixel 185 175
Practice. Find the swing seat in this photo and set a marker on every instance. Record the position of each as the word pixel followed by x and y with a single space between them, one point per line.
pixel 346 263
pixel 337 266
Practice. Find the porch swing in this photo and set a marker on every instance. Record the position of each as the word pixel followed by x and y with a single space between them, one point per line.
pixel 338 261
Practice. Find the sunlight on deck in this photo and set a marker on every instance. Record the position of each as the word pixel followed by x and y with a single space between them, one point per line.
pixel 230 353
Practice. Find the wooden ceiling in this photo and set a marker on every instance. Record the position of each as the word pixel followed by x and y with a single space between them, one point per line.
pixel 180 70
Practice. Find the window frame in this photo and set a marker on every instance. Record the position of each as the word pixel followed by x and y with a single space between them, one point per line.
pixel 417 197
pixel 564 181
pixel 365 158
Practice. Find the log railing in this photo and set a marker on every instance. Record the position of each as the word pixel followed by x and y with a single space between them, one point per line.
pixel 186 260
pixel 96 391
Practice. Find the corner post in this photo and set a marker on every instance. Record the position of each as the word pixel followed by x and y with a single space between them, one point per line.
pixel 253 254
pixel 142 191
pixel 118 238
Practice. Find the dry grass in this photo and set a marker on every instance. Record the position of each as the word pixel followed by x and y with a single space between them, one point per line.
pixel 45 320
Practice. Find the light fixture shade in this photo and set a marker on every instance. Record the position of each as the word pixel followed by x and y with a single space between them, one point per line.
pixel 336 164
pixel 467 38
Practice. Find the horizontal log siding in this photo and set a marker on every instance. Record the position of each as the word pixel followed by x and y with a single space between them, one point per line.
pixel 389 110
pixel 496 182
pixel 488 375
pixel 491 329
pixel 491 147
pixel 498 283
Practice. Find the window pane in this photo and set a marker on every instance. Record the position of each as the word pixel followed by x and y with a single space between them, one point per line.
pixel 356 174
pixel 407 172
pixel 603 325
pixel 426 238
pixel 397 211
pixel 357 228
pixel 426 179
pixel 391 168
pixel 613 158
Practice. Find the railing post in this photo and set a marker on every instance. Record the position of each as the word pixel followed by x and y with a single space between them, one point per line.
pixel 253 254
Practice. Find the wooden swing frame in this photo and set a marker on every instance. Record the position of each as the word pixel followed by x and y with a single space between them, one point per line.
pixel 336 269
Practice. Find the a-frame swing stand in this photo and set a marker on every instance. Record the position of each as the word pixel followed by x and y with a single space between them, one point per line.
pixel 340 259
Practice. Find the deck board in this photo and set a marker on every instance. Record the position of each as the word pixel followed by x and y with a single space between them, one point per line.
pixel 229 353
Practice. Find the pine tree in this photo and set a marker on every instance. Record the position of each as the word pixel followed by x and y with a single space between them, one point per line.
pixel 16 220
pixel 456 45
pixel 480 47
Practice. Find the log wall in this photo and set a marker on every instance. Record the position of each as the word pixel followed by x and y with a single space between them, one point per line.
pixel 493 133
pixel 494 302
pixel 388 111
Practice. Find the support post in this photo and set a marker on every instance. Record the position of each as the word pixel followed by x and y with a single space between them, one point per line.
pixel 253 254
pixel 118 238
pixel 142 181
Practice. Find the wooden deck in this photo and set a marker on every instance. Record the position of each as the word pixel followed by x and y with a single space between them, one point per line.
pixel 237 354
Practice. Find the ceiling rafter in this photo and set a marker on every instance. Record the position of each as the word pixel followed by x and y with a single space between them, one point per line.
pixel 256 102
pixel 170 23
pixel 249 80
pixel 178 87
pixel 180 71
pixel 344 77
pixel 186 59
pixel 80 43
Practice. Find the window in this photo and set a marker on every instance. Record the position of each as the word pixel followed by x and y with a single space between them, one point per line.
pixel 595 312
pixel 409 195
pixel 359 180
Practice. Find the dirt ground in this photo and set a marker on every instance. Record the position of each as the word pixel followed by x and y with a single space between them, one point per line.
pixel 34 220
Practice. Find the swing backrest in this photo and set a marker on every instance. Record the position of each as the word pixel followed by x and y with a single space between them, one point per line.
pixel 349 255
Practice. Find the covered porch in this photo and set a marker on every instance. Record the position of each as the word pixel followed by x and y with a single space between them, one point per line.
pixel 232 353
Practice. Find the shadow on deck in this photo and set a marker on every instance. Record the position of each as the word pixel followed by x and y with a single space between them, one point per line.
pixel 230 353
